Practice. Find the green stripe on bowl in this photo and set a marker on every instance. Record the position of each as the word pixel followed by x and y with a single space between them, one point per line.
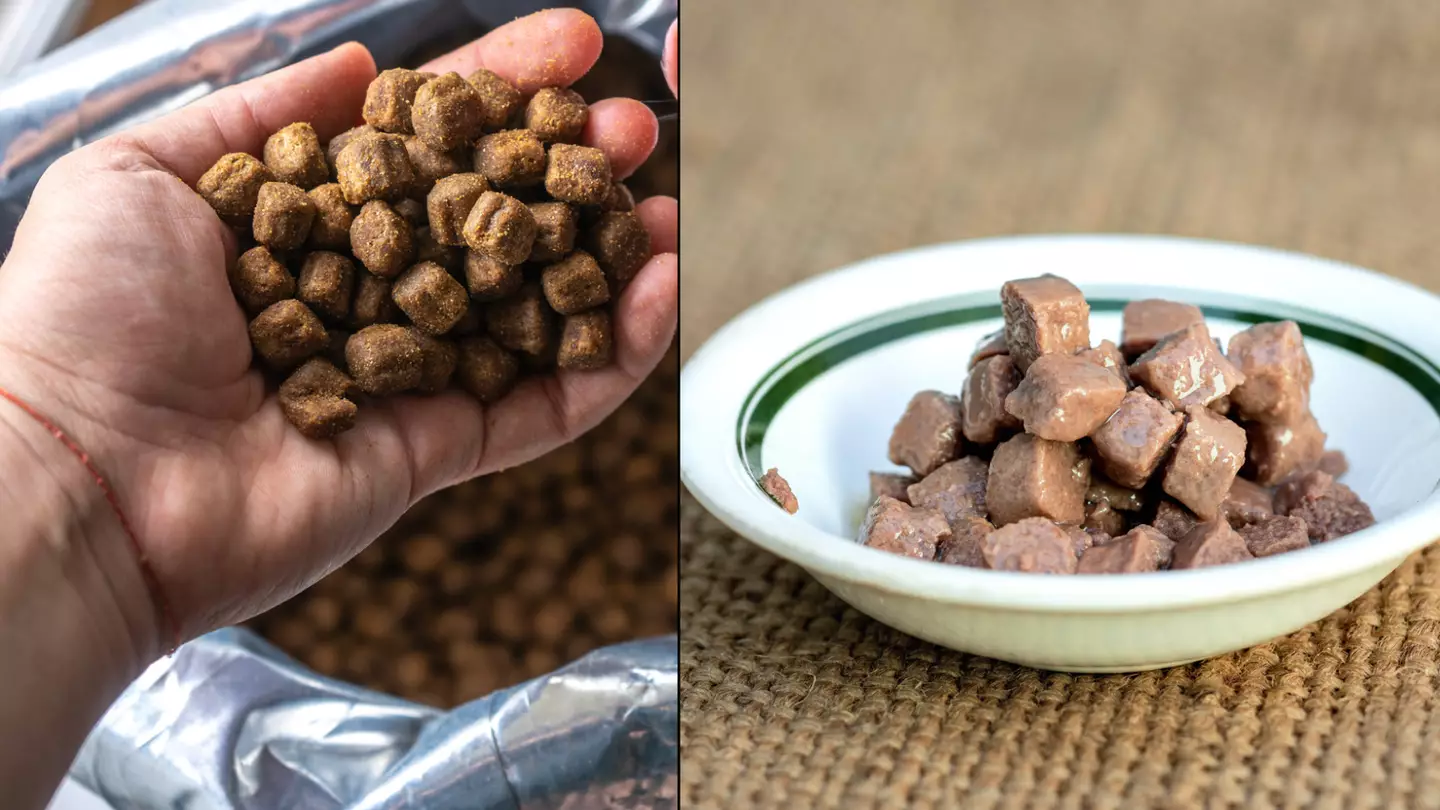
pixel 805 364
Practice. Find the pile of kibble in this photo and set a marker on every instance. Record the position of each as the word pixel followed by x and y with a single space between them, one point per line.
pixel 460 235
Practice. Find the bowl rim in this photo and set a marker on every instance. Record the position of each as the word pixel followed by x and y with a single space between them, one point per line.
pixel 726 490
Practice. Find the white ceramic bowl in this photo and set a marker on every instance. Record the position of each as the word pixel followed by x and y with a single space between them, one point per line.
pixel 812 380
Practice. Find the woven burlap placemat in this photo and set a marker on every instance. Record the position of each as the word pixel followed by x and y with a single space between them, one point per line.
pixel 820 132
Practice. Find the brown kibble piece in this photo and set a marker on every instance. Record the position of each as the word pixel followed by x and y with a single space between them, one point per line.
pixel 956 488
pixel 1138 551
pixel 1131 445
pixel 1146 321
pixel 1035 477
pixel 555 234
pixel 1248 502
pixel 438 359
pixel 1277 373
pixel 1208 456
pixel 578 174
pixel 1065 397
pixel 1033 545
pixel 499 99
pixel 1173 520
pixel 928 433
pixel 1209 543
pixel 1329 508
pixel 260 280
pixel 384 359
pixel 382 240
pixel 333 218
pixel 1108 356
pixel 779 490
pixel 557 115
pixel 1277 451
pixel 287 333
pixel 1334 463
pixel 620 243
pixel 372 302
pixel 294 156
pixel 899 528
pixel 430 165
pixel 1186 368
pixel 432 298
pixel 966 545
pixel 501 227
pixel 327 283
pixel 485 370
pixel 232 185
pixel 450 204
pixel 575 284
pixel 511 159
pixel 429 250
pixel 389 99
pixel 448 113
pixel 619 199
pixel 522 323
pixel 318 377
pixel 375 166
pixel 283 216
pixel 490 280
pixel 892 484
pixel 1275 534
pixel 339 142
pixel 412 211
pixel 1044 315
pixel 315 399
pixel 984 419
pixel 586 341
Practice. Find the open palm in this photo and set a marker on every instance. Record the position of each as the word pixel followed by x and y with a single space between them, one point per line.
pixel 117 320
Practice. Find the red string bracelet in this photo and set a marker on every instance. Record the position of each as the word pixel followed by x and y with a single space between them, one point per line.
pixel 167 619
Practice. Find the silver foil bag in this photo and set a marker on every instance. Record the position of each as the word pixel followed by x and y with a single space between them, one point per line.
pixel 231 723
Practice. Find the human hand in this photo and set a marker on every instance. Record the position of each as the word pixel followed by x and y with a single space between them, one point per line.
pixel 117 321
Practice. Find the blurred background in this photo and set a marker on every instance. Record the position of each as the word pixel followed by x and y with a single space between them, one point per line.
pixel 507 577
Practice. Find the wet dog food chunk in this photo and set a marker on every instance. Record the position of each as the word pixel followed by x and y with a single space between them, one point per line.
pixel 1329 508
pixel 430 165
pixel 1044 315
pixel 1277 373
pixel 389 99
pixel 586 341
pixel 1131 445
pixel 375 167
pixel 294 156
pixel 899 528
pixel 327 283
pixel 1035 477
pixel 521 324
pixel 556 229
pixel 450 203
pixel 382 240
pixel 232 185
pixel 1247 503
pixel 490 280
pixel 333 218
pixel 1103 518
pixel 1082 539
pixel 557 115
pixel 1064 397
pixel 438 359
pixel 956 488
pixel 372 302
pixel 432 298
pixel 991 345
pixel 1208 456
pixel 1210 543
pixel 984 419
pixel 283 216
pixel 620 243
pixel 1278 450
pixel 1138 551
pixel 928 434
pixel 500 99
pixel 895 485
pixel 578 174
pixel 287 333
pixel 1186 368
pixel 779 490
pixel 1275 534
pixel 485 370
pixel 315 399
pixel 575 284
pixel 501 227
pixel 1033 545
pixel 447 113
pixel 1173 520
pixel 259 280
pixel 1107 355
pixel 1121 499
pixel 966 545
pixel 1334 463
pixel 511 159
pixel 385 359
pixel 1145 322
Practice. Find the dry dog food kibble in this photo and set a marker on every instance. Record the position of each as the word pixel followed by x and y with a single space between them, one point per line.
pixel 443 232
pixel 1059 458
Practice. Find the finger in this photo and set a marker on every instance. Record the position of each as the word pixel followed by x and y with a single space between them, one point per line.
pixel 551 48
pixel 661 216
pixel 671 59
pixel 325 91
pixel 625 130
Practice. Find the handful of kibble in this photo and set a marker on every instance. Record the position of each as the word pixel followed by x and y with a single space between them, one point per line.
pixel 460 236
